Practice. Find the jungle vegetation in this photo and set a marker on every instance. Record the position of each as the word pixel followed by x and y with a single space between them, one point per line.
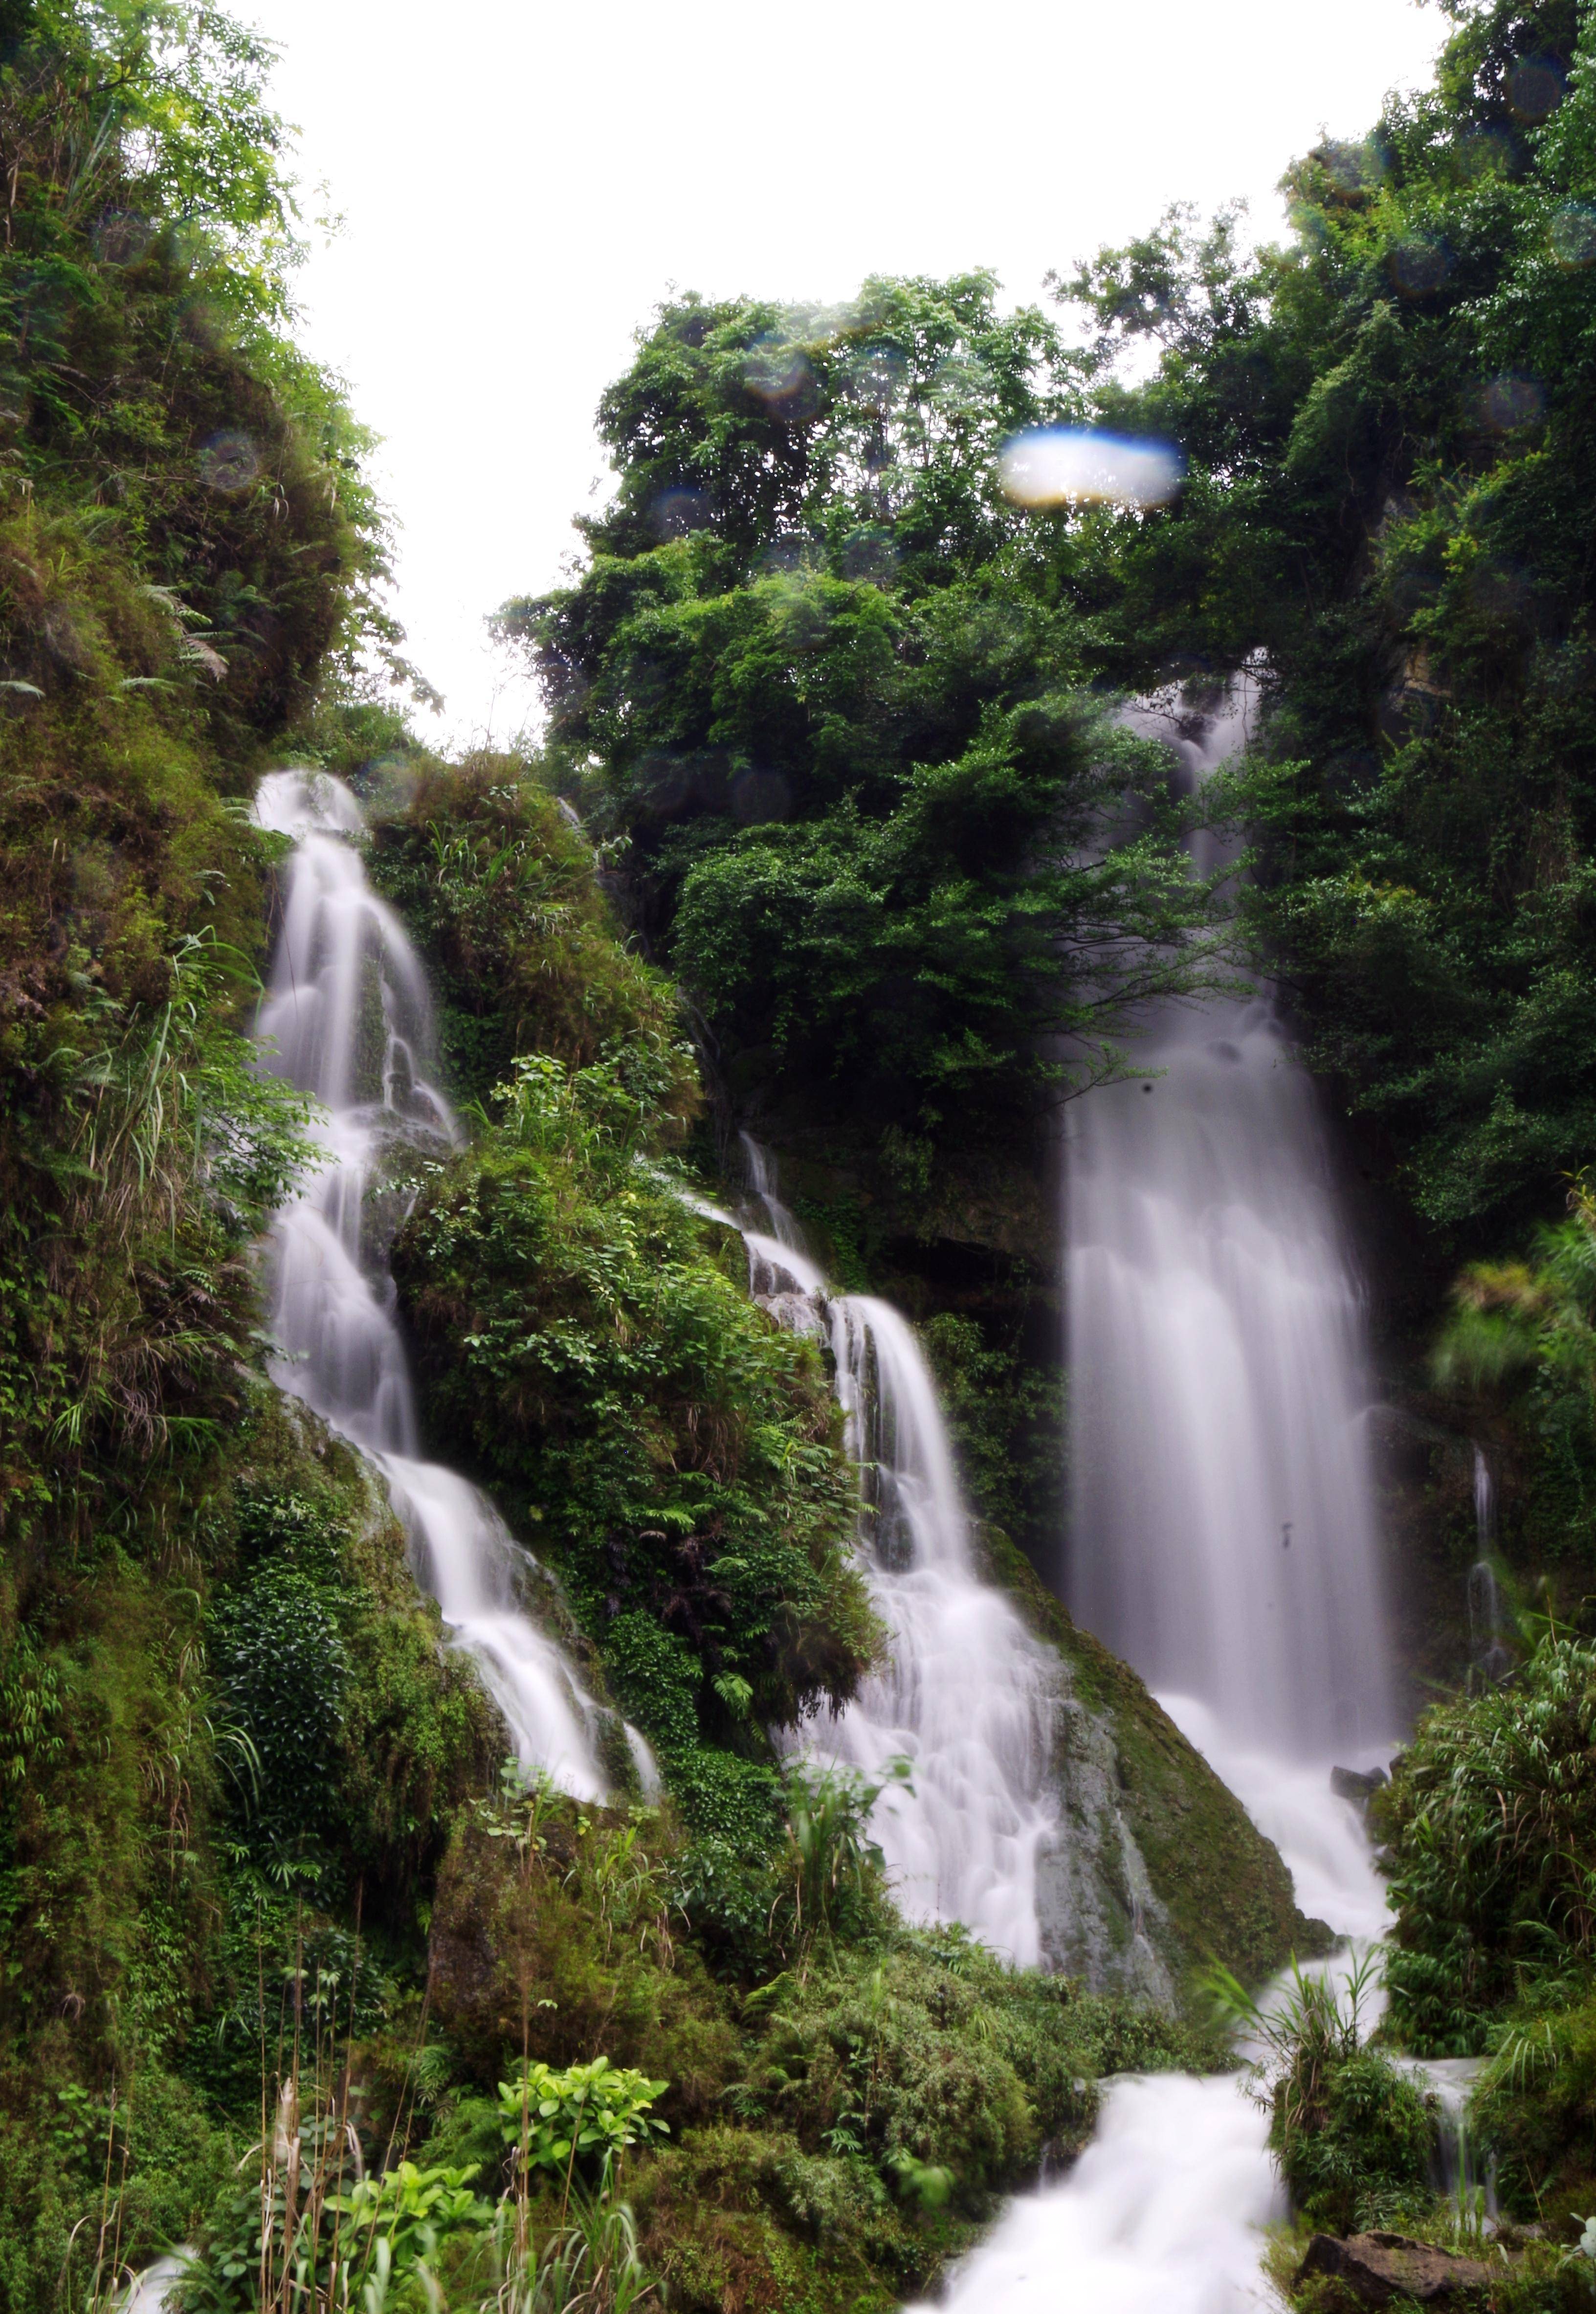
pixel 292 1968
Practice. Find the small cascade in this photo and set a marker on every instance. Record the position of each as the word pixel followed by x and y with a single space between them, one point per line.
pixel 1458 2170
pixel 967 1697
pixel 347 1017
pixel 1488 1654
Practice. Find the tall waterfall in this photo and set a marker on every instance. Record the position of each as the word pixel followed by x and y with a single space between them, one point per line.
pixel 1222 1537
pixel 967 1696
pixel 1222 1530
pixel 349 1018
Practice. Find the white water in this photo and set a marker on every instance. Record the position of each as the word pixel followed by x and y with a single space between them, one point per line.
pixel 1488 1655
pixel 967 1696
pixel 1158 2216
pixel 1223 1539
pixel 349 1018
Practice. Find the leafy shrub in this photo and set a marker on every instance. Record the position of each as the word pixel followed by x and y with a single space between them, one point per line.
pixel 677 1452
pixel 1490 1823
pixel 411 2209
pixel 1360 2156
pixel 831 1874
pixel 281 1668
pixel 1520 1338
pixel 1353 2137
pixel 580 2120
pixel 167 2160
pixel 503 897
pixel 1535 2104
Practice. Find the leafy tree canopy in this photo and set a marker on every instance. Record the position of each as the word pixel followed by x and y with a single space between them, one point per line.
pixel 1390 468
pixel 815 671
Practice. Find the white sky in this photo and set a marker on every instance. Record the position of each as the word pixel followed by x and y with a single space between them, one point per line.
pixel 521 183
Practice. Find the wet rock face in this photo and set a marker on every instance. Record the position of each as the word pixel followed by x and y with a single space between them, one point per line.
pixel 1155 1869
pixel 1097 1914
pixel 1380 2267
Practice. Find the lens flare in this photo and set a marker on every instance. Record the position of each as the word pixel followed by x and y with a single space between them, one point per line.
pixel 870 555
pixel 1574 237
pixel 1351 169
pixel 779 374
pixel 229 462
pixel 1418 268
pixel 122 238
pixel 677 513
pixel 1054 466
pixel 1509 401
pixel 1535 89
pixel 759 796
pixel 873 377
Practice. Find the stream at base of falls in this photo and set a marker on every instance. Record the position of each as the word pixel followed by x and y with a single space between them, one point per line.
pixel 1164 2212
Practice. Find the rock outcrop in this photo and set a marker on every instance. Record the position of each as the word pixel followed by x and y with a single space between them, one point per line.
pixel 1380 2267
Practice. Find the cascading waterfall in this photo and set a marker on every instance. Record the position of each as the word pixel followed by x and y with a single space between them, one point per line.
pixel 1223 1539
pixel 349 1018
pixel 967 1697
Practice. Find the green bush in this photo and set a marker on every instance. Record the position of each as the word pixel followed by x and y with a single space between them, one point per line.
pixel 168 2160
pixel 675 1453
pixel 282 1672
pixel 503 898
pixel 1352 2137
pixel 579 2121
pixel 1360 2159
pixel 1489 1823
pixel 1535 2104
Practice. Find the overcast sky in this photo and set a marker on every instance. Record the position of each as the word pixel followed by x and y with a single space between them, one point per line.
pixel 521 183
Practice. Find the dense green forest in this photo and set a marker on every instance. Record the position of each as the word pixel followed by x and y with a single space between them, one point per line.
pixel 297 1968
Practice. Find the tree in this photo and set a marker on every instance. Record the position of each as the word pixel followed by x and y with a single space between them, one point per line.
pixel 812 674
pixel 1392 476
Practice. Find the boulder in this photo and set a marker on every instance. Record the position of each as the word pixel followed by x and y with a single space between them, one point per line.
pixel 1351 1784
pixel 1378 2267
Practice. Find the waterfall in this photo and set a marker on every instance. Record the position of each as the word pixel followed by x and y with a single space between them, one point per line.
pixel 1222 1530
pixel 967 1696
pixel 1488 1655
pixel 1223 1539
pixel 347 1017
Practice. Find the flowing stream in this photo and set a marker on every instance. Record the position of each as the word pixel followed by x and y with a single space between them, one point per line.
pixel 965 1697
pixel 349 1018
pixel 1223 1539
